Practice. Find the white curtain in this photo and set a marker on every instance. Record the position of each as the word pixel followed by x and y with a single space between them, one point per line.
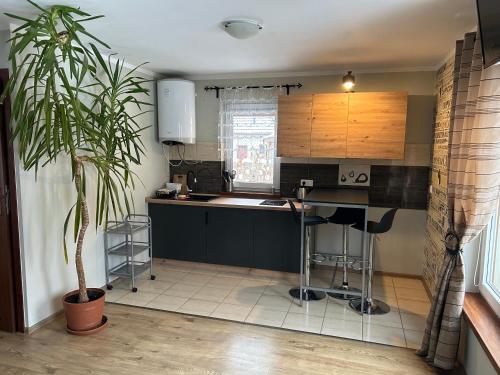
pixel 259 107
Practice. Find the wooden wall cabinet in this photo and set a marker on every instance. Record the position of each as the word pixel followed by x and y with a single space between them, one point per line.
pixel 329 125
pixel 294 125
pixel 377 125
pixel 368 125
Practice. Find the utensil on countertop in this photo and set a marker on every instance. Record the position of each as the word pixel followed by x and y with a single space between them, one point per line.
pixel 229 176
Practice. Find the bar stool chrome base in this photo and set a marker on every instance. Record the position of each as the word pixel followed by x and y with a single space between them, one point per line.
pixel 307 295
pixel 376 307
pixel 345 296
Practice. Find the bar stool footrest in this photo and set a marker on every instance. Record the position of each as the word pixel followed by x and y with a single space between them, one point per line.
pixel 338 259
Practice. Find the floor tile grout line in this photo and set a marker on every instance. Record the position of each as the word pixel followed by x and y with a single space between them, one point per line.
pixel 399 313
pixel 287 312
pixel 246 317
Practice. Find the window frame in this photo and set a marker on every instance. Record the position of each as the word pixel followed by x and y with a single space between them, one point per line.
pixel 488 239
pixel 250 186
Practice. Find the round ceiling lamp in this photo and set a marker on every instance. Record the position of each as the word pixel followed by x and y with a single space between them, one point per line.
pixel 348 81
pixel 242 28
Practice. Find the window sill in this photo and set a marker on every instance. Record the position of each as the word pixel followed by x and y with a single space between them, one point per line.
pixel 485 324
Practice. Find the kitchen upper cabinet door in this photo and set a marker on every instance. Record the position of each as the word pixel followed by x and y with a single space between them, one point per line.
pixel 230 236
pixel 294 125
pixel 178 232
pixel 329 125
pixel 377 125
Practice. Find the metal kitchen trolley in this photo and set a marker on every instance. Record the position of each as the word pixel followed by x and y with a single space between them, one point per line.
pixel 129 248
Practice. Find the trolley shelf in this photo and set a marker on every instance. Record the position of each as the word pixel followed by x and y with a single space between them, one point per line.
pixel 126 228
pixel 126 249
pixel 131 247
pixel 125 269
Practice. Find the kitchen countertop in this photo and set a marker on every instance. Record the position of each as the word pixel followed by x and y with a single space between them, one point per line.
pixel 228 202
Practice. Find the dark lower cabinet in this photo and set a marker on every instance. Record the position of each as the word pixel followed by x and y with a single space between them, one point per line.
pixel 276 242
pixel 232 236
pixel 178 232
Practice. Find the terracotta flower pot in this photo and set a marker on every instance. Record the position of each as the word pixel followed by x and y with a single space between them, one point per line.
pixel 84 317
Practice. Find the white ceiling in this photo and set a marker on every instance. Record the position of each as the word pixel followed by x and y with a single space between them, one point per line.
pixel 299 36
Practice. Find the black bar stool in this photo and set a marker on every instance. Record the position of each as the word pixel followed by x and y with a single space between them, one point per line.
pixel 373 306
pixel 309 221
pixel 346 217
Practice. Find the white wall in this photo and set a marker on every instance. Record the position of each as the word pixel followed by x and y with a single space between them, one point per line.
pixel 43 205
pixel 472 356
pixel 4 49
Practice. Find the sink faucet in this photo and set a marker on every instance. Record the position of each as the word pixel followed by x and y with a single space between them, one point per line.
pixel 195 181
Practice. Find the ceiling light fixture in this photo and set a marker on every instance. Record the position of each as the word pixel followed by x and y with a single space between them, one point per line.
pixel 242 28
pixel 348 81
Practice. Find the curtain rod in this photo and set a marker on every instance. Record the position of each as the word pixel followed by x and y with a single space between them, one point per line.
pixel 287 86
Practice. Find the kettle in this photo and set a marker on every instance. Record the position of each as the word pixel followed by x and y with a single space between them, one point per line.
pixel 301 191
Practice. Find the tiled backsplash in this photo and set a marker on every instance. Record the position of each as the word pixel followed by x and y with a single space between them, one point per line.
pixel 209 174
pixel 390 185
pixel 323 175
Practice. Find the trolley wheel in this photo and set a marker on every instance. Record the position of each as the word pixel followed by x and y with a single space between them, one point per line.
pixel 153 277
pixel 134 289
pixel 109 287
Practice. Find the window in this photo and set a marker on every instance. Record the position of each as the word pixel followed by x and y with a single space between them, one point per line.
pixel 253 145
pixel 490 275
pixel 247 131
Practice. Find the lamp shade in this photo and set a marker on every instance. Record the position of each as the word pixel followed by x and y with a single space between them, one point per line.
pixel 242 28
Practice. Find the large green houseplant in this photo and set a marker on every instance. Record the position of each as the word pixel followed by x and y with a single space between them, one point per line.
pixel 70 103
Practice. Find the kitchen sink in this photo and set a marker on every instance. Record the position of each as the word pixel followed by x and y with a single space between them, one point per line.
pixel 200 197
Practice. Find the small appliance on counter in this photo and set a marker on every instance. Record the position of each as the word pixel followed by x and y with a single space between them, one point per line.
pixel 174 186
pixel 171 190
pixel 301 191
pixel 229 177
pixel 165 193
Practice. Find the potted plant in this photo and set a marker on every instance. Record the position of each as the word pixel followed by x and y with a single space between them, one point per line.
pixel 70 104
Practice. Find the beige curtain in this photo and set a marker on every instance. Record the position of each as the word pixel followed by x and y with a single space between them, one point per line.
pixel 473 191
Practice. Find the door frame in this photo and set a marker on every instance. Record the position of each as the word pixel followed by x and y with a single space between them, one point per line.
pixel 14 220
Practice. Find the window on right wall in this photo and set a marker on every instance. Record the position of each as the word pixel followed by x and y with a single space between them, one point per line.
pixel 489 286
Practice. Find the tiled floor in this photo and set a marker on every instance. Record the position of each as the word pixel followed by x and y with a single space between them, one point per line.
pixel 261 297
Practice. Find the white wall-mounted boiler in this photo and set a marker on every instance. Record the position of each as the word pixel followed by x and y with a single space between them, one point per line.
pixel 176 111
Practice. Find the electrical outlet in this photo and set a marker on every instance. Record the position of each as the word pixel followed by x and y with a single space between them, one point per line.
pixel 308 183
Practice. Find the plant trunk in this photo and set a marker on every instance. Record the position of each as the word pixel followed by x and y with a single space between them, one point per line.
pixel 82 286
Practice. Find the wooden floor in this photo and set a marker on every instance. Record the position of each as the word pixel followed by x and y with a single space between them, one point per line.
pixel 142 341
